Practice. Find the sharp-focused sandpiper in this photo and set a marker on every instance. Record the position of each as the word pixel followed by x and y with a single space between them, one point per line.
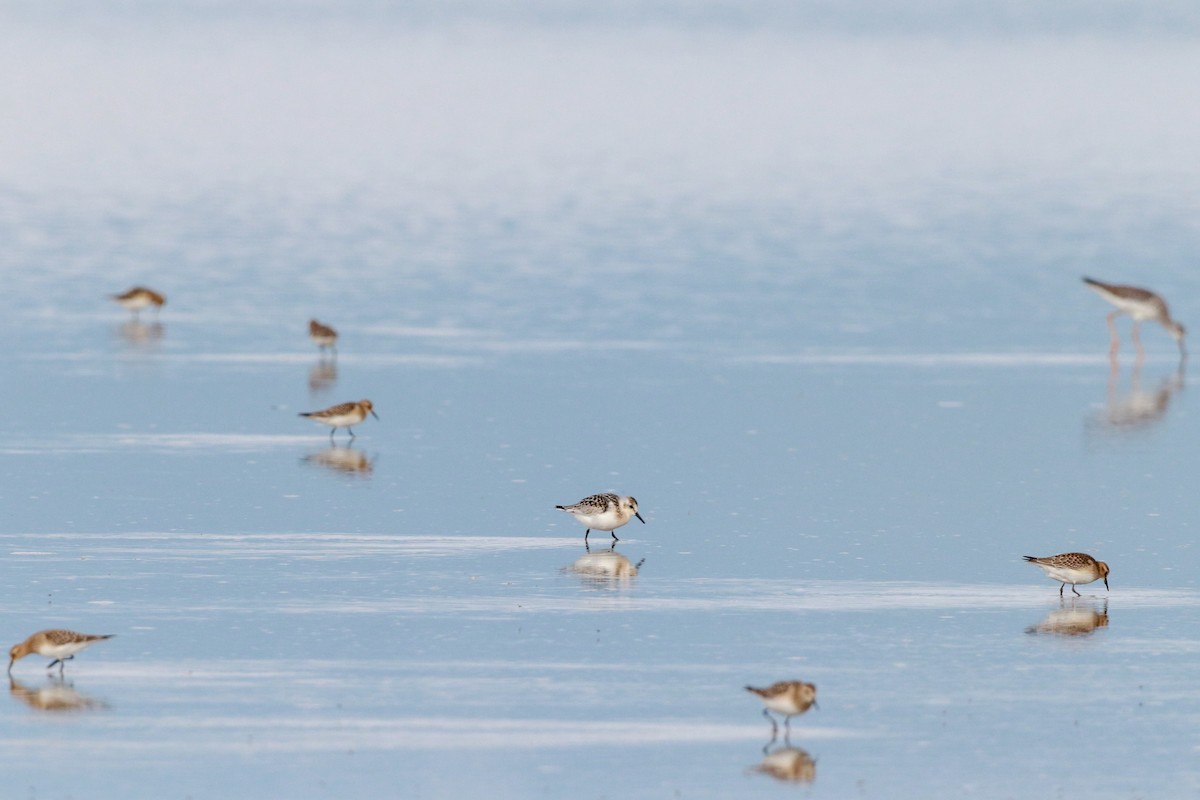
pixel 1140 304
pixel 343 415
pixel 59 644
pixel 604 512
pixel 140 297
pixel 323 336
pixel 788 698
pixel 1072 568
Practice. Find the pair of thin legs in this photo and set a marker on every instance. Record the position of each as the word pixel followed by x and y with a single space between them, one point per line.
pixel 787 726
pixel 1116 342
pixel 62 662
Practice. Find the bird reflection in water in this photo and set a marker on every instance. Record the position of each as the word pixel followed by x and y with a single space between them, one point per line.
pixel 1073 619
pixel 140 334
pixel 344 459
pixel 1138 408
pixel 322 376
pixel 788 764
pixel 56 696
pixel 605 567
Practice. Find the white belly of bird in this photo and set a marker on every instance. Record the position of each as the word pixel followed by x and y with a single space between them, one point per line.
pixel 1072 576
pixel 62 650
pixel 342 420
pixel 324 341
pixel 136 303
pixel 781 705
pixel 1140 311
pixel 603 521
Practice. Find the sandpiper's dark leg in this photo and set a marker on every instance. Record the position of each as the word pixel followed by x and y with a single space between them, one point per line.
pixel 585 535
pixel 774 725
pixel 1060 589
pixel 351 432
pixel 1077 594
pixel 52 663
pixel 331 433
pixel 614 535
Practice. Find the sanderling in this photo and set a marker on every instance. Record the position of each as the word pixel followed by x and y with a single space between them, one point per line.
pixel 323 336
pixel 140 297
pixel 604 512
pixel 788 698
pixel 58 644
pixel 1072 568
pixel 343 415
pixel 1140 304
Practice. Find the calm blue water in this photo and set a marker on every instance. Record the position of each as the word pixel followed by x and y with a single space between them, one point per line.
pixel 810 292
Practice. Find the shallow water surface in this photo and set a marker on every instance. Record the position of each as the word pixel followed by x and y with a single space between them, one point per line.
pixel 812 297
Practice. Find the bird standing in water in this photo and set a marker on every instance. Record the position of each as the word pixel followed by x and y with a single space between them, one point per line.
pixel 1141 305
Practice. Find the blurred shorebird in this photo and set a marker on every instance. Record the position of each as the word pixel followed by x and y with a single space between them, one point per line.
pixel 342 416
pixel 140 297
pixel 59 644
pixel 789 698
pixel 323 336
pixel 1141 305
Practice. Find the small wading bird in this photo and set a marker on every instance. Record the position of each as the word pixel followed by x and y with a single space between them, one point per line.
pixel 323 336
pixel 1140 304
pixel 1072 568
pixel 140 297
pixel 342 416
pixel 603 512
pixel 788 698
pixel 61 645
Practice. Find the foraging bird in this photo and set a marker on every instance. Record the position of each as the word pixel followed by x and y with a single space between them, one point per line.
pixel 603 512
pixel 59 644
pixel 1072 568
pixel 140 297
pixel 789 698
pixel 1140 304
pixel 343 415
pixel 323 336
